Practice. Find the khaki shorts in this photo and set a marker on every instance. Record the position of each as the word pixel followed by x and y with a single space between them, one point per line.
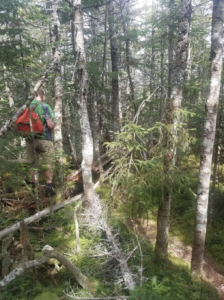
pixel 42 148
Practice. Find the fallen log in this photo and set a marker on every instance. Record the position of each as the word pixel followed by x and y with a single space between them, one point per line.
pixel 15 195
pixel 128 278
pixel 74 176
pixel 40 214
pixel 49 252
pixel 97 298
pixel 19 161
pixel 37 216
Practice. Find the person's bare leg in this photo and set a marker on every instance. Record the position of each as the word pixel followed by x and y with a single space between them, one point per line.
pixel 32 173
pixel 49 175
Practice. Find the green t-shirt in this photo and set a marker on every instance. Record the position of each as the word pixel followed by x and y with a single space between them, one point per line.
pixel 44 111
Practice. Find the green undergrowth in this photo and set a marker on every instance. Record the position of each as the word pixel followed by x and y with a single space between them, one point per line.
pixel 160 280
pixel 215 231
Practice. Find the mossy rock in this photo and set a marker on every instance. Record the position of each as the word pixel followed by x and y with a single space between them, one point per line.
pixel 46 296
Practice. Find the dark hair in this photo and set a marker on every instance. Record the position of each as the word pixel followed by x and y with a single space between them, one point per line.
pixel 39 92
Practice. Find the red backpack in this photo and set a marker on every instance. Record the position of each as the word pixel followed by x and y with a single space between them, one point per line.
pixel 22 124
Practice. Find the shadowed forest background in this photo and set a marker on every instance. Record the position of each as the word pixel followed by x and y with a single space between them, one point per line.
pixel 137 90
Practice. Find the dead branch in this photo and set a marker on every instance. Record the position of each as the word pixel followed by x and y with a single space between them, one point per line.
pixel 5 256
pixel 21 268
pixel 78 248
pixel 14 195
pixel 136 247
pixel 126 273
pixel 141 256
pixel 81 278
pixel 37 216
pixel 40 214
pixel 20 160
pixel 98 298
pixel 49 252
pixel 95 167
pixel 27 250
pixel 141 106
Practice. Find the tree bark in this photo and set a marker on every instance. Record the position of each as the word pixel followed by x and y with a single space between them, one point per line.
pixel 81 86
pixel 216 157
pixel 49 252
pixel 152 84
pixel 114 65
pixel 5 256
pixel 125 23
pixel 8 90
pixel 179 73
pixel 162 103
pixel 55 38
pixel 211 108
pixel 170 46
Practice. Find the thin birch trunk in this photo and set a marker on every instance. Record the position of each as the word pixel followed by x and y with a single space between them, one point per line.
pixel 55 39
pixel 216 155
pixel 152 83
pixel 162 103
pixel 8 91
pixel 179 73
pixel 81 86
pixel 208 136
pixel 55 34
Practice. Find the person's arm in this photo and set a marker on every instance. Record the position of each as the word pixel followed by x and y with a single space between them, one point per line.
pixel 48 116
pixel 50 124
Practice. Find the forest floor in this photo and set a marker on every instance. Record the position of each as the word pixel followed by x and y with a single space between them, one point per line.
pixel 178 249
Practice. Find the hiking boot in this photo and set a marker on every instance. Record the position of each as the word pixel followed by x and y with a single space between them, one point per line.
pixel 49 191
pixel 33 185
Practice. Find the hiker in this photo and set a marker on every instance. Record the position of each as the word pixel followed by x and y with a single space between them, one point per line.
pixel 42 144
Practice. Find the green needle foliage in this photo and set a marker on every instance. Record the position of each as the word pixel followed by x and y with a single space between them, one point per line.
pixel 139 170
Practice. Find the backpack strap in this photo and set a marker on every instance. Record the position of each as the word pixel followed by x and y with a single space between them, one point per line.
pixel 33 107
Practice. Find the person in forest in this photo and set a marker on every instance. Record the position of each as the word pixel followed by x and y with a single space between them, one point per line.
pixel 42 145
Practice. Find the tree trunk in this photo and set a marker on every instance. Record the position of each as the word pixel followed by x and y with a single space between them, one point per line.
pixel 8 90
pixel 152 84
pixel 114 63
pixel 55 37
pixel 162 103
pixel 170 47
pixel 208 136
pixel 216 156
pixel 178 78
pixel 125 23
pixel 81 86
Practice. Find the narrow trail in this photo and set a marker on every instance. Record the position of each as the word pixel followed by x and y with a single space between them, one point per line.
pixel 182 251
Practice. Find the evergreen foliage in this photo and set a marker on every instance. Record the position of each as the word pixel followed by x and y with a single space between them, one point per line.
pixel 135 186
